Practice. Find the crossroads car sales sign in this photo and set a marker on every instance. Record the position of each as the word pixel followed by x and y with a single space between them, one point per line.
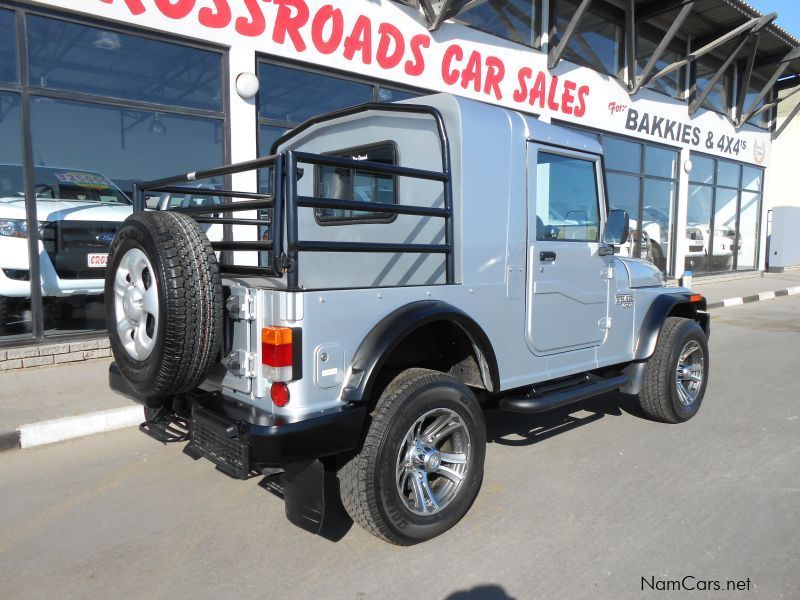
pixel 391 42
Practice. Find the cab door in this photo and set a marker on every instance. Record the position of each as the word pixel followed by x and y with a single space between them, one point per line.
pixel 568 278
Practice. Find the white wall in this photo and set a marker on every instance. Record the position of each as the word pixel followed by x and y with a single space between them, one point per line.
pixel 784 188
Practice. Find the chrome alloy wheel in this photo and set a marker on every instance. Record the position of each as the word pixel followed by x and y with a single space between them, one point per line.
pixel 136 304
pixel 433 461
pixel 689 373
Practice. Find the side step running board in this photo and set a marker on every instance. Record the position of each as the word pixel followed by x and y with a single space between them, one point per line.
pixel 594 386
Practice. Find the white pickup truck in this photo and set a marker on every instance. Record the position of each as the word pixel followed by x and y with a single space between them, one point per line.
pixel 78 213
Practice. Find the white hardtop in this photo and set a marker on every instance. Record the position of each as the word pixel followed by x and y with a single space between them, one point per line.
pixel 461 113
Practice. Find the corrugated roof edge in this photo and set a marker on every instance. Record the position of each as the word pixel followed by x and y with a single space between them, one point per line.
pixel 751 11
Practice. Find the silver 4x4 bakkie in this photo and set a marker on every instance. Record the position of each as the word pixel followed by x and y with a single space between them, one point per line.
pixel 401 268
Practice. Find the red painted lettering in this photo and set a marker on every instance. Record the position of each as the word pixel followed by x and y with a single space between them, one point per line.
pixel 539 90
pixel 583 93
pixel 216 19
pixel 255 25
pixel 416 66
pixel 568 97
pixel 472 72
pixel 292 15
pixel 521 93
pixel 551 96
pixel 331 18
pixel 391 46
pixel 450 75
pixel 175 9
pixel 135 6
pixel 360 40
pixel 495 72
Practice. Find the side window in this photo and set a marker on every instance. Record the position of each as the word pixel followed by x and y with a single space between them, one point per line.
pixel 567 206
pixel 360 186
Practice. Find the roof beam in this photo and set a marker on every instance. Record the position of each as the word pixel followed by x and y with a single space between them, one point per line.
pixel 752 111
pixel 747 76
pixel 698 101
pixel 788 118
pixel 437 12
pixel 557 52
pixel 654 8
pixel 756 24
pixel 647 74
pixel 630 43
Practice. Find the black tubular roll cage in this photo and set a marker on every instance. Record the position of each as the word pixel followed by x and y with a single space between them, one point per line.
pixel 284 242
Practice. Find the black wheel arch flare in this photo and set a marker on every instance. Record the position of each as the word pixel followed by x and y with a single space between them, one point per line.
pixel 679 304
pixel 387 335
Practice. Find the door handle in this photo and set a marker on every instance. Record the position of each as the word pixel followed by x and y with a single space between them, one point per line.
pixel 547 256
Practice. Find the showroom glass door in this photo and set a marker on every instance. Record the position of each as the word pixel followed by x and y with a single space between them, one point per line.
pixel 723 216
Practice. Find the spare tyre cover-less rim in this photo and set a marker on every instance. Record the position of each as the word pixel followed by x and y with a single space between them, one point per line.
pixel 136 304
pixel 163 303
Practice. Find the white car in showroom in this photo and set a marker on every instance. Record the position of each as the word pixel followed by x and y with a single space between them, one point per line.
pixel 78 214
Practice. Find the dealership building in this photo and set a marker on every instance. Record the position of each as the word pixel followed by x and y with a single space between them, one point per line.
pixel 96 95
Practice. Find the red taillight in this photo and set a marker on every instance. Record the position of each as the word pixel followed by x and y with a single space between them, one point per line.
pixel 276 347
pixel 279 393
pixel 281 349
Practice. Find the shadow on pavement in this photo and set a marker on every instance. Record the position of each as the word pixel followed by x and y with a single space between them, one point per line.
pixel 529 429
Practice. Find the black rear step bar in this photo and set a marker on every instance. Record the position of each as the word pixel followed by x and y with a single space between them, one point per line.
pixel 284 244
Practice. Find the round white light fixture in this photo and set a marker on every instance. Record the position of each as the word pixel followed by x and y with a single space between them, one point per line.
pixel 687 166
pixel 247 85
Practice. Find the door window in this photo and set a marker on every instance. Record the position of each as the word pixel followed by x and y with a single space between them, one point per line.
pixel 567 205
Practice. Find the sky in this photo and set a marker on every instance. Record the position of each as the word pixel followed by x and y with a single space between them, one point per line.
pixel 788 13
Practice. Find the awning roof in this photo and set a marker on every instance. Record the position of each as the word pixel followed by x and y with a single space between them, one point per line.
pixel 710 19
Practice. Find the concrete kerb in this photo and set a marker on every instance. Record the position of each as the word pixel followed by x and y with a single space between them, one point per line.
pixel 59 430
pixel 68 428
pixel 738 301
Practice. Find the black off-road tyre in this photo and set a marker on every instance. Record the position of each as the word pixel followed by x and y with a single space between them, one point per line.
pixel 368 481
pixel 660 398
pixel 188 336
pixel 5 313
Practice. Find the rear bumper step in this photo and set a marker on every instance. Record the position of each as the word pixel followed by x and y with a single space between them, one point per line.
pixel 540 403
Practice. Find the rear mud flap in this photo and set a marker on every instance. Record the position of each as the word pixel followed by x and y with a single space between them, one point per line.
pixel 304 494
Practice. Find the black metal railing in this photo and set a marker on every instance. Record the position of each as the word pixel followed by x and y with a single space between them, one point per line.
pixel 285 245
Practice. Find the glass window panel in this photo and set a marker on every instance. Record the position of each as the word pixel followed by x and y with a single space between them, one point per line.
pixel 657 219
pixel 392 95
pixel 728 174
pixel 79 58
pixel 748 231
pixel 621 155
pixel 292 95
pixel 671 84
pixel 15 291
pixel 96 148
pixel 702 170
pixel 718 99
pixel 566 199
pixel 698 224
pixel 623 193
pixel 660 162
pixel 8 46
pixel 596 43
pixel 761 119
pixel 751 178
pixel 724 245
pixel 509 19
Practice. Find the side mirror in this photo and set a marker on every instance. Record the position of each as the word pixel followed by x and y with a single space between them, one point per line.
pixel 617 229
